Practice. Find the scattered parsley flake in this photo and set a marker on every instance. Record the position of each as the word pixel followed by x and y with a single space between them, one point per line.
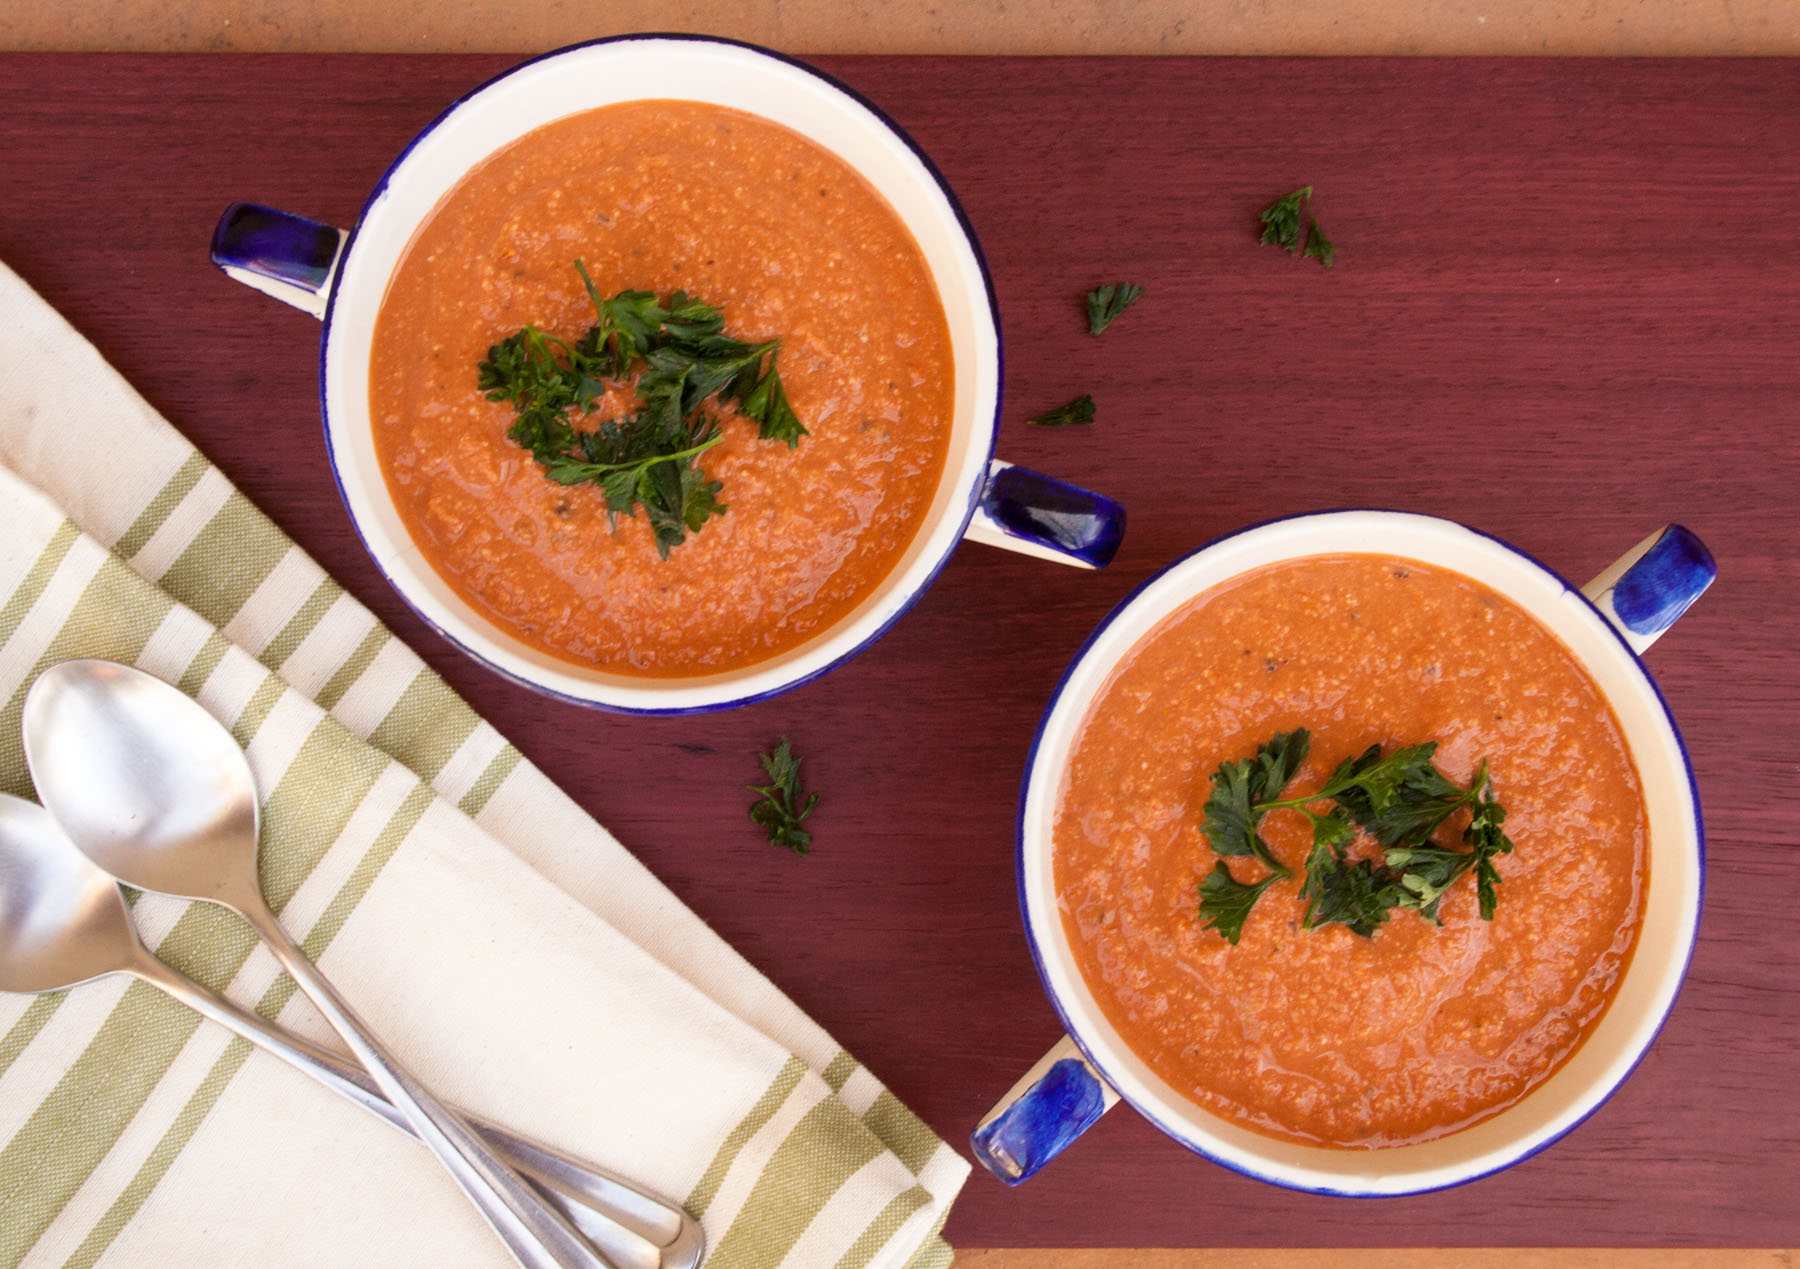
pixel 1105 303
pixel 1282 221
pixel 1080 410
pixel 781 807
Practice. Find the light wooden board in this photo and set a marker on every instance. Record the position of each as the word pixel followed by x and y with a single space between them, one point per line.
pixel 1662 28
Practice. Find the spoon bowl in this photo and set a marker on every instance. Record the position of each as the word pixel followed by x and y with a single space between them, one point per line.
pixel 62 920
pixel 149 785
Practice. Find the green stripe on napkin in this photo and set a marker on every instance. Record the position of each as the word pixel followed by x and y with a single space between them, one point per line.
pixel 107 1228
pixel 817 1157
pixel 899 1209
pixel 161 505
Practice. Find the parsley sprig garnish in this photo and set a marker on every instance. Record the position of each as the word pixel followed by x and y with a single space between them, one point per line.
pixel 646 459
pixel 1281 221
pixel 781 807
pixel 1400 800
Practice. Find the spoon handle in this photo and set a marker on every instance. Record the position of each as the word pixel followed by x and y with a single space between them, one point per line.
pixel 631 1229
pixel 536 1234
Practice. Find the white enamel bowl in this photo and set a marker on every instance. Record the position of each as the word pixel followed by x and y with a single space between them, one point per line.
pixel 1670 569
pixel 344 276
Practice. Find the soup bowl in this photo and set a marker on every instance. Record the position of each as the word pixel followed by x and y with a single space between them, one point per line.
pixel 342 276
pixel 1605 625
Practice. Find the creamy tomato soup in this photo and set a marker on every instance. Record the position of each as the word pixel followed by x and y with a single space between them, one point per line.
pixel 790 244
pixel 1322 1035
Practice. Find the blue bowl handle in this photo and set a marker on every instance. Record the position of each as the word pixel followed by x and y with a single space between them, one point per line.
pixel 278 253
pixel 1034 514
pixel 1057 1101
pixel 1643 591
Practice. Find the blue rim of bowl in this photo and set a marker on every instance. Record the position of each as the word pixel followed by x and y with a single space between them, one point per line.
pixel 1148 1112
pixel 973 500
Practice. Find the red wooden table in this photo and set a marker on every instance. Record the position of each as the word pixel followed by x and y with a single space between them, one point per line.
pixel 1563 312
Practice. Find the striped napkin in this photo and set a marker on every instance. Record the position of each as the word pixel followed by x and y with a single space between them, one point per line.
pixel 514 954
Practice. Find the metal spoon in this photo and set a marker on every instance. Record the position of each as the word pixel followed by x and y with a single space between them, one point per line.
pixel 155 791
pixel 63 922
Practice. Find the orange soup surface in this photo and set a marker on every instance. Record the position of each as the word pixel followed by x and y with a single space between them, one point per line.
pixel 790 244
pixel 1324 1036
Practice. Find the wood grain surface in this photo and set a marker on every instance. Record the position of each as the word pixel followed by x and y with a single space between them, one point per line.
pixel 1563 312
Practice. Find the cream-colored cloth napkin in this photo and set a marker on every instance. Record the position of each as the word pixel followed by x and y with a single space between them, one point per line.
pixel 514 954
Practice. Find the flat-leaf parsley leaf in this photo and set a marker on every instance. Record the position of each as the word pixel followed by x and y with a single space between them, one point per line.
pixel 1240 787
pixel 1318 246
pixel 1281 220
pixel 1225 901
pixel 1104 303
